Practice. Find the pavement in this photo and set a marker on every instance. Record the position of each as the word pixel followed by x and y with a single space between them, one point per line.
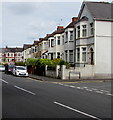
pixel 49 79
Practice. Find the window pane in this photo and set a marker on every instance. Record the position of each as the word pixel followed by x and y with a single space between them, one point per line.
pixel 71 35
pixel 70 56
pixel 58 42
pixel 84 54
pixel 78 54
pixel 58 55
pixel 66 55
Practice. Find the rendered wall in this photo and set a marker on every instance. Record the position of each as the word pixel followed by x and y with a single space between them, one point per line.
pixel 103 48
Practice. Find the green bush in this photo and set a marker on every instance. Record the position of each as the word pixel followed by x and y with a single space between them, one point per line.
pixel 56 61
pixel 43 62
pixel 31 61
pixel 20 63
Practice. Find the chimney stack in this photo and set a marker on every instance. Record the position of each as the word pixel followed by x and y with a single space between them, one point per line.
pixel 35 41
pixel 48 35
pixel 60 28
pixel 74 19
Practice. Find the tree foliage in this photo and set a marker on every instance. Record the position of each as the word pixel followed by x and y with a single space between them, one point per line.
pixel 31 61
pixel 20 63
pixel 43 62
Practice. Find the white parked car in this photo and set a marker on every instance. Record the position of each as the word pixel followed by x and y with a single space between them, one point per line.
pixel 20 71
pixel 2 68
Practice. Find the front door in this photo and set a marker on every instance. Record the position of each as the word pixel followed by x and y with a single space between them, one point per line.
pixel 92 59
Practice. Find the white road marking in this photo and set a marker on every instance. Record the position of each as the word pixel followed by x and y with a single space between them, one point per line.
pixel 84 87
pixel 24 90
pixel 60 84
pixel 88 89
pixel 94 89
pixel 4 81
pixel 66 85
pixel 77 110
pixel 72 86
pixel 99 92
pixel 104 91
pixel 109 94
pixel 78 87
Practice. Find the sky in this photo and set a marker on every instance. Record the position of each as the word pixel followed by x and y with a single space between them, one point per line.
pixel 23 22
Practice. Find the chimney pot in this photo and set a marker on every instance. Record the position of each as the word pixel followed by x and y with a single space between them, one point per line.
pixel 60 27
pixel 74 19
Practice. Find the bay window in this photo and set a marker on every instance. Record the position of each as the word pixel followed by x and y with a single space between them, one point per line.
pixel 84 31
pixel 84 54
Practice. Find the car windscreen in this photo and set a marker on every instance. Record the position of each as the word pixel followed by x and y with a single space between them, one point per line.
pixel 11 66
pixel 21 68
pixel 1 66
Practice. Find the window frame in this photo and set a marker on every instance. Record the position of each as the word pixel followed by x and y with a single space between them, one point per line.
pixel 84 30
pixel 84 59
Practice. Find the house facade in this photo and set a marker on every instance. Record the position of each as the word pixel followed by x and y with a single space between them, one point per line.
pixel 12 54
pixel 26 51
pixel 69 41
pixel 56 44
pixel 93 38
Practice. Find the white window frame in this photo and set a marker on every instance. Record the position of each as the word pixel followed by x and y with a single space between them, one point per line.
pixel 84 30
pixel 84 59
pixel 78 54
pixel 71 35
pixel 71 56
pixel 91 29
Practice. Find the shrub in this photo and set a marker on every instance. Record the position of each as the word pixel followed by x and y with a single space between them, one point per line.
pixel 20 63
pixel 56 61
pixel 31 61
pixel 43 62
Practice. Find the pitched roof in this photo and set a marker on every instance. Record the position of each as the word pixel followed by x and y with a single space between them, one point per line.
pixel 25 46
pixel 13 49
pixel 60 30
pixel 71 25
pixel 99 10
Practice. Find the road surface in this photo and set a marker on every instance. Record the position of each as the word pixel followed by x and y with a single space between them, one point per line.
pixel 23 97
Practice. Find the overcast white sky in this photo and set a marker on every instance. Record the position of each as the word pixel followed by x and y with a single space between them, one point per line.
pixel 22 22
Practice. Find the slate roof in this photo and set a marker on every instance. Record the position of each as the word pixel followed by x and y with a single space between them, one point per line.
pixel 71 25
pixel 99 10
pixel 13 49
pixel 25 46
pixel 3 50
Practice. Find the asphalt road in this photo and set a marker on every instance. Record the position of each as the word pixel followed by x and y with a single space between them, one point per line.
pixel 26 98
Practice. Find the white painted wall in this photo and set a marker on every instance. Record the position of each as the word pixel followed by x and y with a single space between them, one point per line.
pixel 103 47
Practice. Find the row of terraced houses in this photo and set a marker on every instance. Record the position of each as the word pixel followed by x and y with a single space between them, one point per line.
pixel 85 41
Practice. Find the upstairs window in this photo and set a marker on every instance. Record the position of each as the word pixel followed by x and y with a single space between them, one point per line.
pixel 44 45
pixel 84 30
pixel 49 43
pixel 35 49
pixel 52 42
pixel 66 36
pixel 62 39
pixel 71 35
pixel 58 40
pixel 78 31
pixel 91 28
